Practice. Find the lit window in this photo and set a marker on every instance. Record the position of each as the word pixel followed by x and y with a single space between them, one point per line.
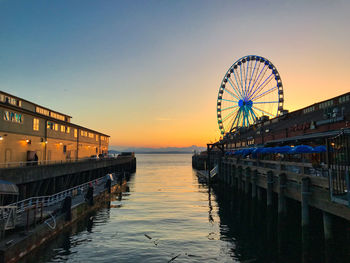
pixel 82 133
pixel 96 137
pixel 75 133
pixel 63 128
pixel 13 117
pixel 35 124
pixel 56 127
pixel 50 125
pixel 68 130
pixel 42 111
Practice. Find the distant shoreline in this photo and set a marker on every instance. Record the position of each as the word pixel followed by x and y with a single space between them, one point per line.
pixel 163 153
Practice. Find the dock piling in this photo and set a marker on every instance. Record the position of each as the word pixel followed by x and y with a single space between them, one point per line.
pixel 269 188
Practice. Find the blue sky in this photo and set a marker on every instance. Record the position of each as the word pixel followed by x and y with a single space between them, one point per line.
pixel 154 67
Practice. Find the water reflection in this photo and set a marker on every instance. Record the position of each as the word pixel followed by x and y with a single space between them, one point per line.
pixel 164 214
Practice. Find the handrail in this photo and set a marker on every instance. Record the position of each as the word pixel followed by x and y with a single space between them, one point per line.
pixel 49 200
pixel 50 162
pixel 296 167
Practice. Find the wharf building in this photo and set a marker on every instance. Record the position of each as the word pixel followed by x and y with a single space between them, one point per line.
pixel 302 155
pixel 33 133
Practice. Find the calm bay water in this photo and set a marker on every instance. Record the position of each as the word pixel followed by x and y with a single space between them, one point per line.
pixel 168 216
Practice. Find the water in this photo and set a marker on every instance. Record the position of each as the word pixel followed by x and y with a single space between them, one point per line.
pixel 168 216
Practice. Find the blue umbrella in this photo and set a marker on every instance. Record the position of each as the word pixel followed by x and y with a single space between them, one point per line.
pixel 267 150
pixel 302 149
pixel 285 149
pixel 238 152
pixel 320 149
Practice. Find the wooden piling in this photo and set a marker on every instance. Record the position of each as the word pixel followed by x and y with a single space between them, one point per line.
pixel 282 205
pixel 269 188
pixel 239 184
pixel 305 217
pixel 247 181
pixel 328 236
pixel 253 180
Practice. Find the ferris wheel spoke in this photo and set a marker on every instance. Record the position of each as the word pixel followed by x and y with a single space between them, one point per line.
pixel 230 123
pixel 245 71
pixel 234 88
pixel 262 85
pixel 258 77
pixel 240 68
pixel 251 76
pixel 232 107
pixel 237 82
pixel 253 113
pixel 239 118
pixel 263 94
pixel 263 102
pixel 258 82
pixel 234 119
pixel 229 92
pixel 265 112
pixel 246 118
pixel 227 116
pixel 229 100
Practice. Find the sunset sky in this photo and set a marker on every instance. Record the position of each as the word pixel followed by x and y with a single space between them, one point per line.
pixel 148 72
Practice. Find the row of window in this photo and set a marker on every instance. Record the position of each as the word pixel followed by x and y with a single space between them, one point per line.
pixel 13 117
pixel 309 109
pixel 345 98
pixel 325 104
pixel 18 118
pixel 8 99
pixel 57 116
pixel 42 111
pixel 50 113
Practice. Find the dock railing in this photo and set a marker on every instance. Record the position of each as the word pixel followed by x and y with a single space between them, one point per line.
pixel 49 200
pixel 50 162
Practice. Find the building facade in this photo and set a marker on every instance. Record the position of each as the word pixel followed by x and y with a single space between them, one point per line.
pixel 313 124
pixel 30 132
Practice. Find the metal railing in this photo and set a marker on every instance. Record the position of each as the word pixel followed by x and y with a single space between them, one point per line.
pixel 50 162
pixel 46 201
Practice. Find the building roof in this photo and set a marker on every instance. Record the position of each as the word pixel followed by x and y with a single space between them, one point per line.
pixel 10 95
pixel 44 116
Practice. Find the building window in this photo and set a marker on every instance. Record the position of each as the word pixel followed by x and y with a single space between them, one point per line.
pixel 91 135
pixel 64 148
pixel 344 99
pixel 11 100
pixel 309 109
pixel 35 124
pixel 13 117
pixel 63 128
pixel 50 125
pixel 325 104
pixel 56 127
pixel 42 111
pixel 75 133
pixel 57 116
pixel 67 129
pixel 96 137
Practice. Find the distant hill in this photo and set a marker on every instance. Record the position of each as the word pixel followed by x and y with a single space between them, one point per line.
pixel 168 150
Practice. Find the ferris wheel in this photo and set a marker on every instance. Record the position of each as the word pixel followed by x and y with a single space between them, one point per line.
pixel 251 88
